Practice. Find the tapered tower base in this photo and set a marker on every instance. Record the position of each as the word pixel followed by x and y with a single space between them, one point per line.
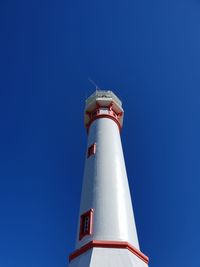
pixel 103 257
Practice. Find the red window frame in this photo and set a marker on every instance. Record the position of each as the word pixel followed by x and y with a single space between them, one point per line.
pixel 91 150
pixel 86 218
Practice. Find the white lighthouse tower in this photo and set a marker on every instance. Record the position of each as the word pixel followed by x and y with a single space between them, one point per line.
pixel 106 235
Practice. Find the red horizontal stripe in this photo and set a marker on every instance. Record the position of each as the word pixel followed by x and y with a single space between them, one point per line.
pixel 108 244
pixel 99 116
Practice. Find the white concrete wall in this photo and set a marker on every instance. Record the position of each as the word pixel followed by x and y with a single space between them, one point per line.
pixel 105 187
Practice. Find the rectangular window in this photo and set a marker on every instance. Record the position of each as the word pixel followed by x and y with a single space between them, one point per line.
pixel 91 150
pixel 86 221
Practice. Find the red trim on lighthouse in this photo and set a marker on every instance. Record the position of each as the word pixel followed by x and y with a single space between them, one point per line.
pixel 86 223
pixel 99 116
pixel 109 244
pixel 95 114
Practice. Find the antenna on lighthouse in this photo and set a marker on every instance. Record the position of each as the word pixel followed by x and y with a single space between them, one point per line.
pixel 93 83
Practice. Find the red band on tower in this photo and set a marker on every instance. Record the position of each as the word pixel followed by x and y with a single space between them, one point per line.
pixel 108 244
pixel 97 114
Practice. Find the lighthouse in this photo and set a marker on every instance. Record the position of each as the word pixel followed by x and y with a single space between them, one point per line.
pixel 106 232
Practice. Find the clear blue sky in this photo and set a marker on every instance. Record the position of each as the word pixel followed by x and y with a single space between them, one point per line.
pixel 148 53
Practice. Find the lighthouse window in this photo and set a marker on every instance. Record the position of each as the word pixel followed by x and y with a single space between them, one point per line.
pixel 86 224
pixel 91 150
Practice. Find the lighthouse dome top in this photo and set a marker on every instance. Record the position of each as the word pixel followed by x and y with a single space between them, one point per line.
pixel 103 95
pixel 103 103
